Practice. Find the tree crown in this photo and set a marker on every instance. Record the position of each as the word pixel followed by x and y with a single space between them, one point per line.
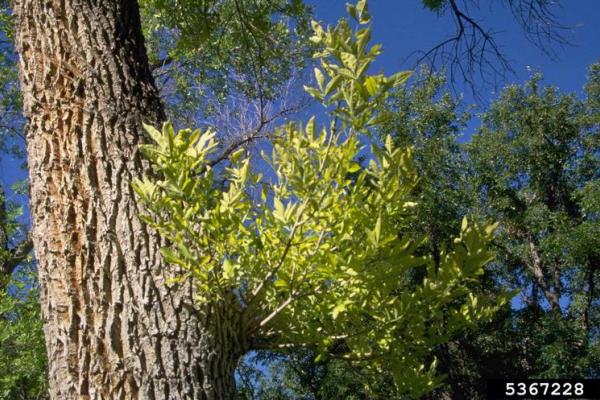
pixel 310 253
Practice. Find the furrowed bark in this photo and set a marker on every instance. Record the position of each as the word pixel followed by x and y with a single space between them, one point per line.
pixel 115 328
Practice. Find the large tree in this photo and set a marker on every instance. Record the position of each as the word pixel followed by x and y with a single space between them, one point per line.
pixel 537 172
pixel 118 322
pixel 113 328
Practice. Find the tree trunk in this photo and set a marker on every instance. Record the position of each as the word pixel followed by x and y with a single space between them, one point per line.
pixel 115 327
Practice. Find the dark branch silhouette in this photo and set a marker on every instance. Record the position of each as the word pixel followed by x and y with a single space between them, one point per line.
pixel 473 54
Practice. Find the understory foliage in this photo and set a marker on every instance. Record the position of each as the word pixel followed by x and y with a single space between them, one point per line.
pixel 534 132
pixel 212 49
pixel 23 363
pixel 314 252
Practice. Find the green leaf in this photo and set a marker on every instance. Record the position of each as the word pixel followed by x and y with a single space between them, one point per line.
pixel 237 155
pixel 320 78
pixel 362 11
pixel 310 128
pixel 228 269
pixel 170 256
pixel 491 228
pixel 464 224
pixel 377 230
pixel 279 212
pixel 351 10
pixel 333 84
pixel 400 77
pixel 338 309
pixel 154 134
pixel 371 85
pixel 349 60
pixel 354 167
pixel 280 283
pixel 313 92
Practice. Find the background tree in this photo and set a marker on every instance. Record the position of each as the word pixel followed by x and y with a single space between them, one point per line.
pixel 312 258
pixel 22 353
pixel 536 162
pixel 534 143
pixel 208 55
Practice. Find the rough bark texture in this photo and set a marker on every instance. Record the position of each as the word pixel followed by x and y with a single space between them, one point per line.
pixel 115 329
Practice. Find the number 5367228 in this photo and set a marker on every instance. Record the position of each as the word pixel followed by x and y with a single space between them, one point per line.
pixel 557 389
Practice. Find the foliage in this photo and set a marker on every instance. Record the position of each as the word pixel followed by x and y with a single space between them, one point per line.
pixel 536 165
pixel 23 362
pixel 311 256
pixel 11 120
pixel 22 350
pixel 527 340
pixel 214 48
pixel 298 376
pixel 431 121
pixel 428 119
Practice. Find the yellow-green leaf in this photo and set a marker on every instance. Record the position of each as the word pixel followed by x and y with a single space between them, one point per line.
pixel 349 60
pixel 371 85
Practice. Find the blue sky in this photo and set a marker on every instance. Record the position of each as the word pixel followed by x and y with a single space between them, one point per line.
pixel 405 26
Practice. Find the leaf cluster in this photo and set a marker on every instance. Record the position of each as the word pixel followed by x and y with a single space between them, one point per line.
pixel 311 253
pixel 212 48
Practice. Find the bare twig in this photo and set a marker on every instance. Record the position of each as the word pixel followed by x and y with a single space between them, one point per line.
pixel 473 55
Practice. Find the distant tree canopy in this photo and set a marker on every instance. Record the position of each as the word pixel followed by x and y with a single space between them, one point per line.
pixel 213 49
pixel 533 167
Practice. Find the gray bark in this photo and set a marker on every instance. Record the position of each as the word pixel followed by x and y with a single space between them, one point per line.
pixel 115 328
pixel 552 294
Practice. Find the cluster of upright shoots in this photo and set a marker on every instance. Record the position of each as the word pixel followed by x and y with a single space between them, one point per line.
pixel 314 251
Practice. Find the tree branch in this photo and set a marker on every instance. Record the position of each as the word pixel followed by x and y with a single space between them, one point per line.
pixel 472 53
pixel 538 273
